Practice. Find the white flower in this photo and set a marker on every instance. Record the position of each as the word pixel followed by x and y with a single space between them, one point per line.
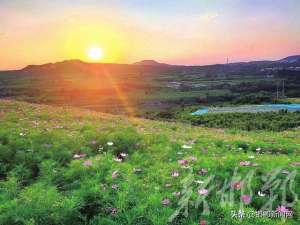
pixel 261 194
pixel 251 157
pixel 186 147
pixel 110 143
pixel 123 154
pixel 199 181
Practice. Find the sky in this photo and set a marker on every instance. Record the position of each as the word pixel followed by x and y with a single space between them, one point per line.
pixel 190 32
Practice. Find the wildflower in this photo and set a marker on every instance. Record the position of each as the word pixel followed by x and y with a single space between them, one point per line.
pixel 87 163
pixel 175 174
pixel 258 149
pixel 186 147
pixel 245 163
pixel 251 157
pixel 246 199
pixel 193 158
pixel 167 185
pixel 236 185
pixel 199 181
pixel 166 201
pixel 179 153
pixel 295 164
pixel 115 174
pixel 203 191
pixel 202 222
pixel 113 211
pixel 114 186
pixel 282 209
pixel 93 142
pixel 261 194
pixel 137 170
pixel 110 143
pixel 123 154
pixel 22 134
pixel 176 193
pixel 182 162
pixel 79 156
pixel 117 159
pixel 202 171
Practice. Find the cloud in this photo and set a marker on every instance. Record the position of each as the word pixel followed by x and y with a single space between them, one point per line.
pixel 209 17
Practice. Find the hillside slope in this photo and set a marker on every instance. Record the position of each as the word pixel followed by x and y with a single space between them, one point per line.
pixel 71 166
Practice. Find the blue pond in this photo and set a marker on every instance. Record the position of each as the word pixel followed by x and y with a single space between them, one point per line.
pixel 249 108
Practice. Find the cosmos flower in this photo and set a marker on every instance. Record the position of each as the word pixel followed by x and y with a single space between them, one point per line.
pixel 245 163
pixel 246 199
pixel 202 222
pixel 282 209
pixel 114 186
pixel 182 162
pixel 236 185
pixel 176 193
pixel 175 174
pixel 202 171
pixel 166 201
pixel 115 174
pixel 113 211
pixel 295 164
pixel 93 142
pixel 87 163
pixel 203 191
pixel 193 158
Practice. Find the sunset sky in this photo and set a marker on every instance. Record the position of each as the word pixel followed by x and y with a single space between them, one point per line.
pixel 172 31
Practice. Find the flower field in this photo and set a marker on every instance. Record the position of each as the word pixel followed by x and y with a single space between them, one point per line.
pixel 61 166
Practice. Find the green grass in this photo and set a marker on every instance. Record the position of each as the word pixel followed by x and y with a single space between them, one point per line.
pixel 42 183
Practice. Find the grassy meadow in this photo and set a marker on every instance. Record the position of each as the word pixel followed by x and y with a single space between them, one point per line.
pixel 63 166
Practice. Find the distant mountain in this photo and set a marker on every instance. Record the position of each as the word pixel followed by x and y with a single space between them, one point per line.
pixel 290 59
pixel 150 63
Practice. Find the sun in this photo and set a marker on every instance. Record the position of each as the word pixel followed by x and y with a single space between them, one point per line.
pixel 95 53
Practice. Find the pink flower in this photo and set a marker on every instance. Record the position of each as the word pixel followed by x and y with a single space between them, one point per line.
pixel 202 171
pixel 182 162
pixel 203 191
pixel 93 142
pixel 295 164
pixel 176 193
pixel 236 185
pixel 245 163
pixel 113 211
pixel 114 186
pixel 175 174
pixel 115 174
pixel 166 201
pixel 282 209
pixel 246 199
pixel 87 163
pixel 193 158
pixel 202 222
